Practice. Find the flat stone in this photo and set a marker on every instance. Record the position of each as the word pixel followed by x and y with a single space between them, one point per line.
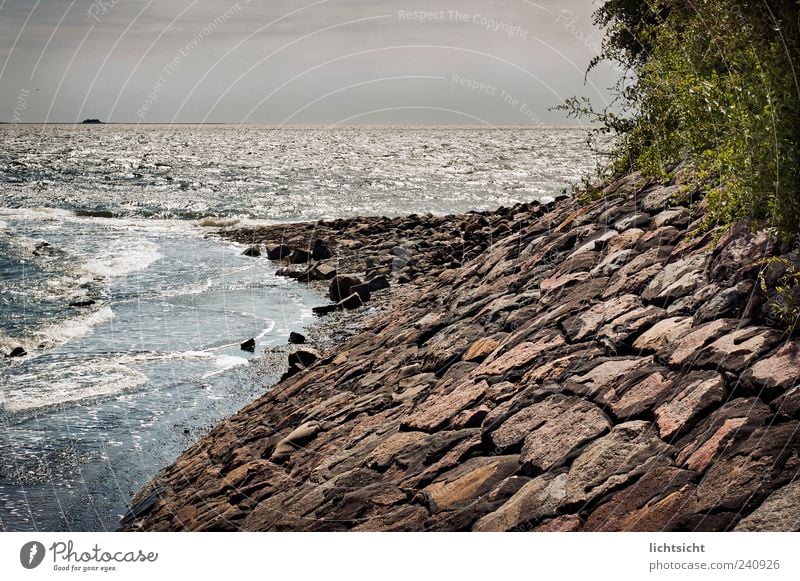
pixel 780 512
pixel 713 436
pixel 746 475
pixel 677 279
pixel 321 272
pixel 295 440
pixel 632 221
pixel 735 351
pixel 698 391
pixel 552 443
pixel 406 518
pixel 641 506
pixel 678 217
pixel 579 263
pixel 641 396
pixel 558 368
pixel 567 523
pixel 620 331
pixel 624 240
pixel 595 244
pixel 557 282
pixel 727 303
pixel 613 262
pixel 658 198
pixel 537 499
pixel 686 348
pixel 662 334
pixel 538 422
pixel 778 372
pixel 437 410
pixel 664 236
pixel 587 323
pixel 603 377
pixel 628 451
pixel 637 273
pixel 480 349
pixel 384 454
pixel 738 248
pixel 520 356
pixel 463 485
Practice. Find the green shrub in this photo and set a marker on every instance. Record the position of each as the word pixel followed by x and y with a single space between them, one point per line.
pixel 712 82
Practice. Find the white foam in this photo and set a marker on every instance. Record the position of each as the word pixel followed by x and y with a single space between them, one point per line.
pixel 224 363
pixel 75 328
pixel 123 256
pixel 214 222
pixel 58 382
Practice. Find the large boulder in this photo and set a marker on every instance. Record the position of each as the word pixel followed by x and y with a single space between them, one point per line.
pixel 341 286
pixel 320 251
pixel 278 251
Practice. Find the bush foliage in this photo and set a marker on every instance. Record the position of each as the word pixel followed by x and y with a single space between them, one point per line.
pixel 715 82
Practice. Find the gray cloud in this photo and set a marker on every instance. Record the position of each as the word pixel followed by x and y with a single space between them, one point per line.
pixel 334 61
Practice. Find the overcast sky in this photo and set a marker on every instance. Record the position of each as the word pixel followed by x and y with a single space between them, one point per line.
pixel 296 62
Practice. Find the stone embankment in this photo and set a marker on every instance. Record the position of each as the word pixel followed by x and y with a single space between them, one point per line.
pixel 548 367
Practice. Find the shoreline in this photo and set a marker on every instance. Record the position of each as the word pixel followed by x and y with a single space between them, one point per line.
pixel 578 368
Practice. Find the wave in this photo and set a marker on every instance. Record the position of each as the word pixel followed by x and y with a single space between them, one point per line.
pixel 54 383
pixel 122 257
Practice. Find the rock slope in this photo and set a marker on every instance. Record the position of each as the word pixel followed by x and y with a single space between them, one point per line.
pixel 555 368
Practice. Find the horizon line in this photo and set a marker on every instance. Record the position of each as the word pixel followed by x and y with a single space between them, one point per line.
pixel 309 125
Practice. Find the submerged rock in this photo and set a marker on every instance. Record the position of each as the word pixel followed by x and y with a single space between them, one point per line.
pixel 17 352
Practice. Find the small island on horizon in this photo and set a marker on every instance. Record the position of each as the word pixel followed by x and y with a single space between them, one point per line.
pixel 92 122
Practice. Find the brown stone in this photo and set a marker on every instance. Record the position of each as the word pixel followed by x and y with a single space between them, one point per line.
pixel 677 279
pixel 628 451
pixel 663 334
pixel 713 436
pixel 587 323
pixel 605 376
pixel 641 396
pixel 463 485
pixel 735 351
pixel 437 410
pixel 686 348
pixel 552 443
pixel 296 439
pixel 568 523
pixel 562 281
pixel 620 331
pixel 538 499
pixel 658 198
pixel 480 349
pixel 640 506
pixel 780 512
pixel 777 373
pixel 624 241
pixel 697 392
pixel 520 356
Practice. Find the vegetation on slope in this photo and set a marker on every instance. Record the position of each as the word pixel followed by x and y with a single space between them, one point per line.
pixel 715 82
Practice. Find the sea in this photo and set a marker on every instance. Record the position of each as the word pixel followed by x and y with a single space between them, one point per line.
pixel 131 309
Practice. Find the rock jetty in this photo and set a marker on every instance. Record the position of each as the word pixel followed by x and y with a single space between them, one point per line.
pixel 544 367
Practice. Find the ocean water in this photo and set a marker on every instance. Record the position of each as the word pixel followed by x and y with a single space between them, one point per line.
pixel 131 311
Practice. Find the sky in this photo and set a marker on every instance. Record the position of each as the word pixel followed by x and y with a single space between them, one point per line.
pixel 320 62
